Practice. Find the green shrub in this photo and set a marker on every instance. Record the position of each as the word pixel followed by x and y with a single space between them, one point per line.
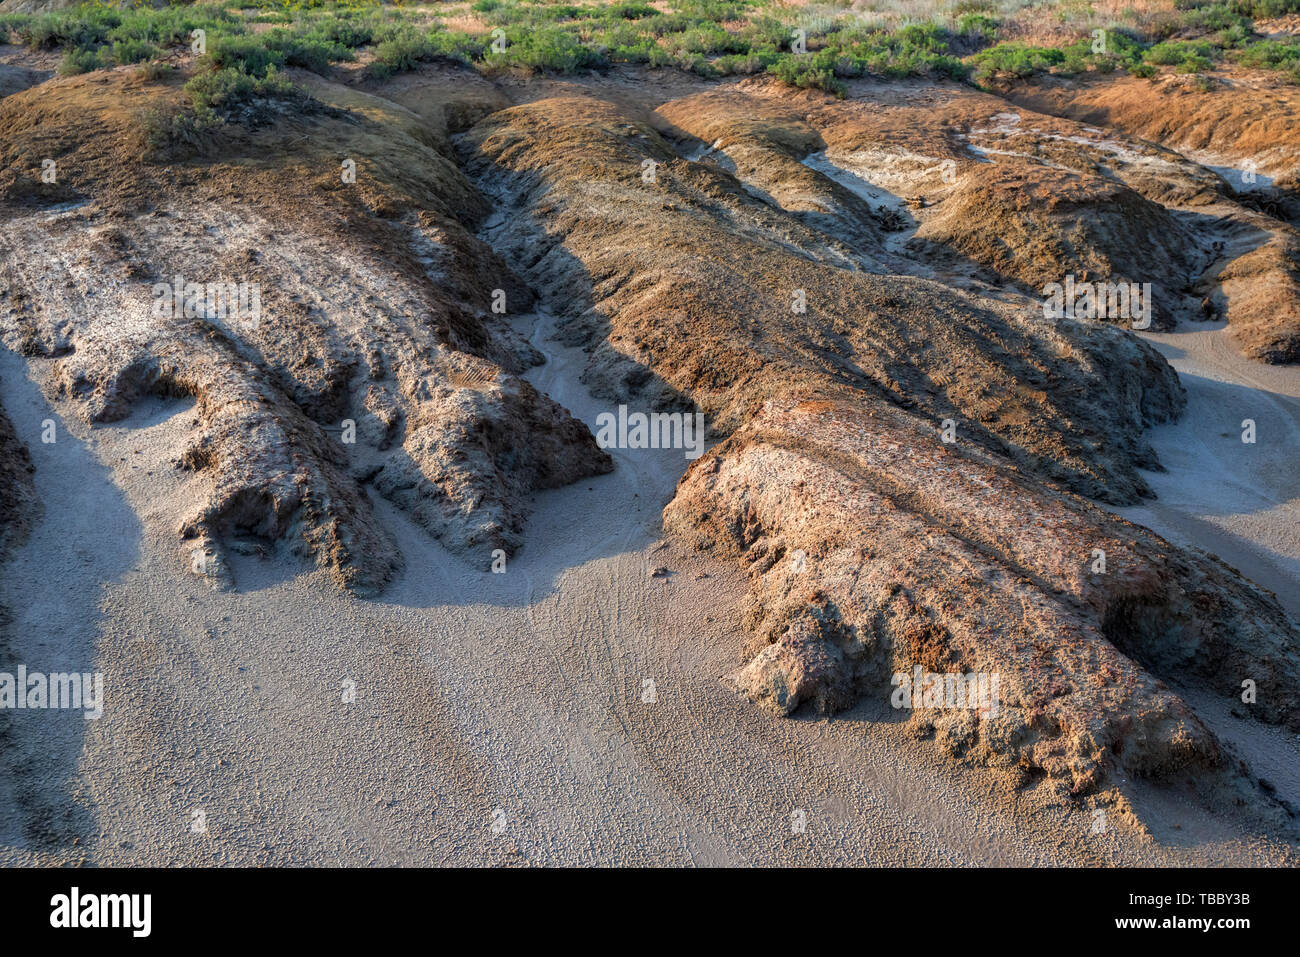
pixel 1015 59
pixel 1220 16
pixel 766 34
pixel 710 39
pixel 745 63
pixel 230 90
pixel 977 25
pixel 132 51
pixel 631 11
pixel 84 28
pixel 1194 63
pixel 1271 55
pixel 81 61
pixel 639 52
pixel 548 48
pixel 799 72
pixel 349 33
pixel 455 45
pixel 924 37
pixel 1074 63
pixel 563 12
pixel 401 52
pixel 166 129
pixel 92 26
pixel 1173 52
pixel 1262 9
pixel 246 54
pixel 311 52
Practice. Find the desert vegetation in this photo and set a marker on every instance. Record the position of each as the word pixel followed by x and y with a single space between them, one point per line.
pixel 813 46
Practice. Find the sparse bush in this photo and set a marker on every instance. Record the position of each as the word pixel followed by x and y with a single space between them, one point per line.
pixel 1173 52
pixel 1261 9
pixel 401 52
pixel 631 11
pixel 229 91
pixel 1015 59
pixel 549 48
pixel 1194 63
pixel 129 51
pixel 80 61
pixel 800 73
pixel 1271 55
pixel 165 129
pixel 154 70
pixel 242 53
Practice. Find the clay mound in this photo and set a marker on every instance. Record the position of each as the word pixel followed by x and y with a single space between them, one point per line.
pixel 1022 196
pixel 950 556
pixel 1038 225
pixel 1159 174
pixel 687 287
pixel 1245 130
pixel 1259 293
pixel 906 136
pixel 1253 116
pixel 764 142
pixel 876 548
pixel 904 455
pixel 370 354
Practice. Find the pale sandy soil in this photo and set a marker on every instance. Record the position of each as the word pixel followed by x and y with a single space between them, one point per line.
pixel 1240 501
pixel 498 719
pixel 1236 499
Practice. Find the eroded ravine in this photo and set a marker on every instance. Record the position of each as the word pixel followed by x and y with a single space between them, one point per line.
pixel 507 717
pixel 459 711
pixel 529 702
